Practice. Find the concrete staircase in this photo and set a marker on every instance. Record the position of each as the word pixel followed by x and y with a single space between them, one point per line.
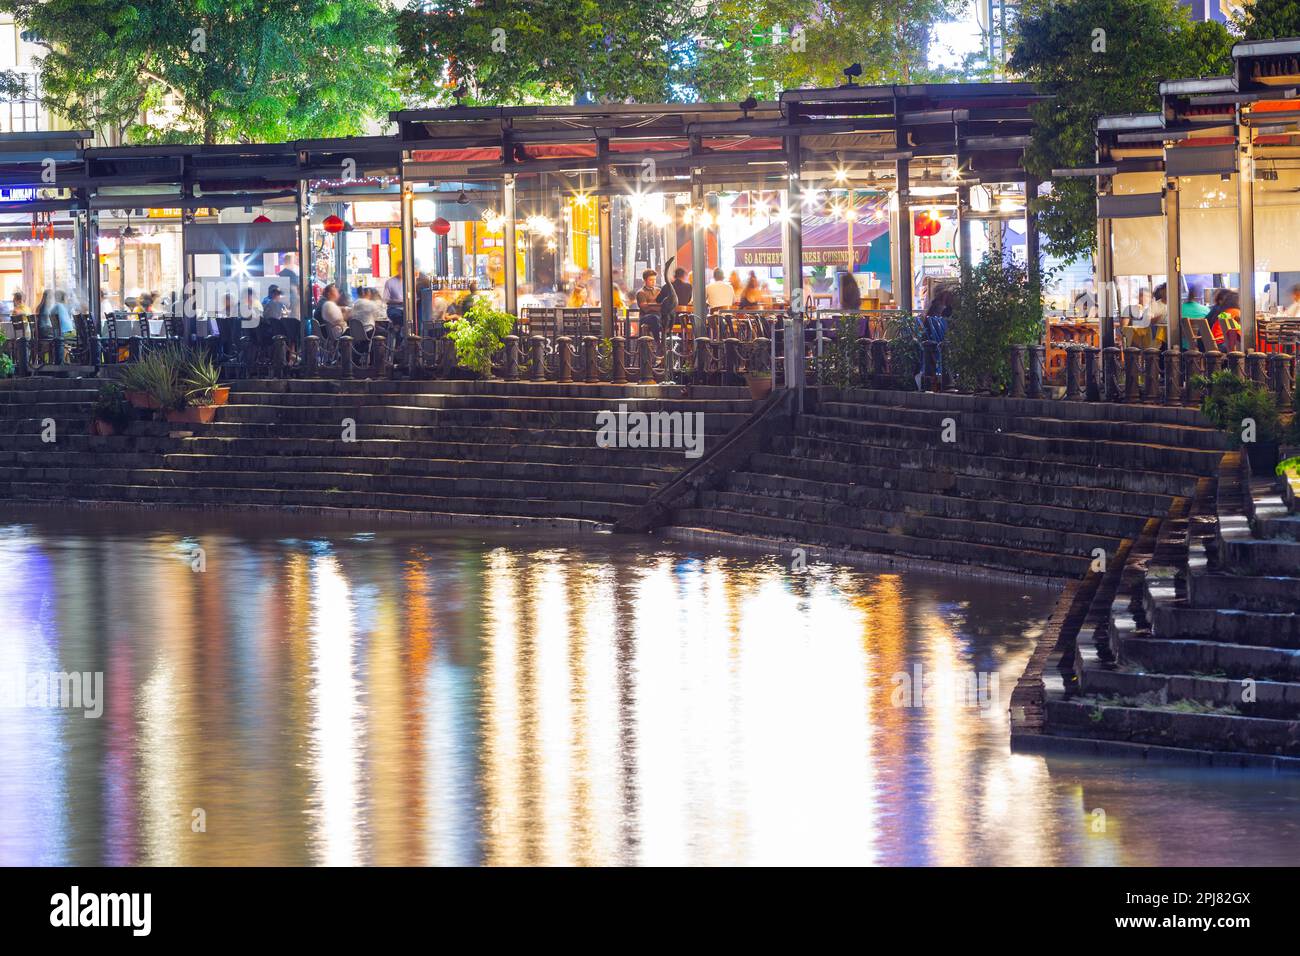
pixel 1027 487
pixel 1199 647
pixel 456 450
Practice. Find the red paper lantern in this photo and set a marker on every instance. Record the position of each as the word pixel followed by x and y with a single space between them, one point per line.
pixel 261 219
pixel 333 224
pixel 441 227
pixel 925 226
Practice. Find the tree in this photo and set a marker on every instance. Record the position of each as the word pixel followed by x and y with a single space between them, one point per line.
pixel 547 51
pixel 1268 19
pixel 213 70
pixel 1098 57
pixel 498 51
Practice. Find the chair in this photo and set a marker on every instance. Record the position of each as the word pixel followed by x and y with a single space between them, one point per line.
pixel 1205 334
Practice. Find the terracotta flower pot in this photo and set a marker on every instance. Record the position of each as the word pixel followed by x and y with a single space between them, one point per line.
pixel 193 415
pixel 220 395
pixel 141 399
pixel 103 428
pixel 760 386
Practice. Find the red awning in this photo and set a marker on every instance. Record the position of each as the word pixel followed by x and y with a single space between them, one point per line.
pixel 825 243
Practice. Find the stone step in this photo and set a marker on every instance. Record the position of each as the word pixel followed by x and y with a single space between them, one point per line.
pixel 1262 556
pixel 603 511
pixel 790 486
pixel 975 487
pixel 1279 700
pixel 1019 560
pixel 832 513
pixel 357 482
pixel 1244 592
pixel 1171 726
pixel 994 418
pixel 629 474
pixel 588 404
pixel 1236 661
pixel 715 423
pixel 1027 407
pixel 532 389
pixel 449 432
pixel 865 451
pixel 1174 620
pixel 1114 454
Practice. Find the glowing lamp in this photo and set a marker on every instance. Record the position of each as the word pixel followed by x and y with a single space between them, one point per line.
pixel 333 224
pixel 441 227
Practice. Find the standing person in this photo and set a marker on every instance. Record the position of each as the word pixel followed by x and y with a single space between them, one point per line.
pixel 850 294
pixel 395 300
pixel 751 296
pixel 718 294
pixel 681 287
pixel 331 313
pixel 290 274
pixel 734 279
pixel 647 301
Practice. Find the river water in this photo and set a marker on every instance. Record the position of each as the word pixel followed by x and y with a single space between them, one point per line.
pixel 280 691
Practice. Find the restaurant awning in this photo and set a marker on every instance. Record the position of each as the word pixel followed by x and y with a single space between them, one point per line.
pixel 825 243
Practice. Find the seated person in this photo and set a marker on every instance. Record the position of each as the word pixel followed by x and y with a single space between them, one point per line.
pixel 333 320
pixel 368 308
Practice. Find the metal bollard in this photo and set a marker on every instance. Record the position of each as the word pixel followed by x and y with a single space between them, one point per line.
pixel 511 344
pixel 345 355
pixel 1255 369
pixel 1091 387
pixel 1151 376
pixel 1110 359
pixel 1173 377
pixel 1132 358
pixel 1073 374
pixel 617 361
pixel 311 356
pixel 539 358
pixel 1195 363
pixel 590 360
pixel 1017 387
pixel 564 359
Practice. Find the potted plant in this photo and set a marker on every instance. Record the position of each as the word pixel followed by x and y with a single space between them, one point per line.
pixel 1246 413
pixel 478 334
pixel 112 412
pixel 202 381
pixel 760 383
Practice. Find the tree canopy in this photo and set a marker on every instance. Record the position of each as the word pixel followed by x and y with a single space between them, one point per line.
pixel 497 51
pixel 1268 19
pixel 1099 57
pixel 213 70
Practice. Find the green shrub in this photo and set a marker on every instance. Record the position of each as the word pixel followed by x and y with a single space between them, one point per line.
pixel 904 333
pixel 1230 400
pixel 6 363
pixel 111 405
pixel 998 305
pixel 478 334
pixel 837 366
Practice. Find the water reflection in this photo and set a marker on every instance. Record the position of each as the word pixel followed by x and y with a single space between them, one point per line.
pixel 441 698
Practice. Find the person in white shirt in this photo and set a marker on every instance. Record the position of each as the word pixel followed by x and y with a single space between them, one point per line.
pixel 719 294
pixel 331 314
pixel 367 309
pixel 1294 308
